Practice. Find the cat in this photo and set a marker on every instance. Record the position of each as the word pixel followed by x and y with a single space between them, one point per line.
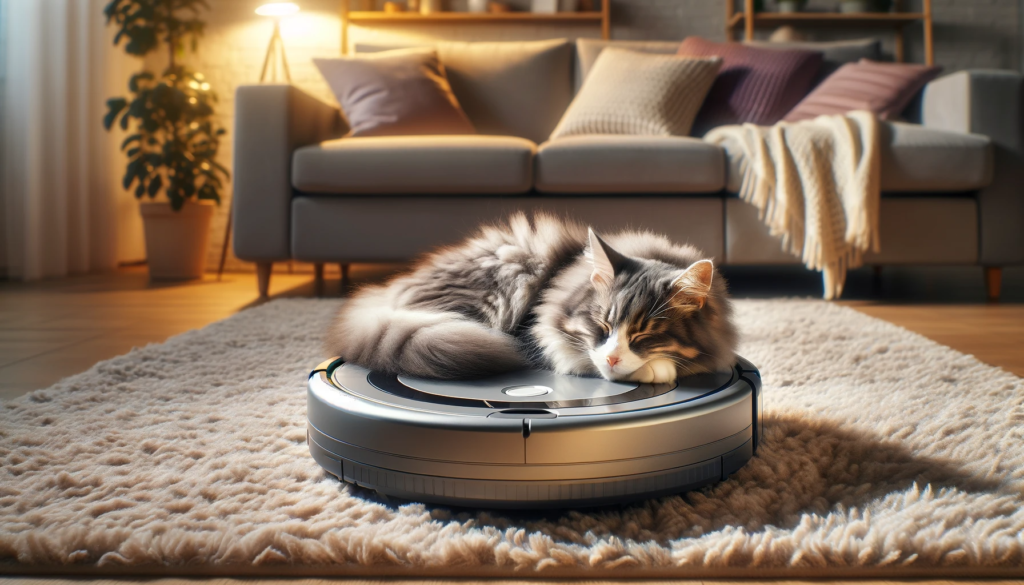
pixel 547 293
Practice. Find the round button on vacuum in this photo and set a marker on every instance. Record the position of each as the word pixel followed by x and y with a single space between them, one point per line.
pixel 529 390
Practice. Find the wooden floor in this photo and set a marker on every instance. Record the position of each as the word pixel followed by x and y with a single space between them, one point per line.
pixel 53 329
pixel 992 333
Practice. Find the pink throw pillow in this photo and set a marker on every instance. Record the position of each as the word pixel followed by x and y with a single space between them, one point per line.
pixel 754 85
pixel 395 93
pixel 882 88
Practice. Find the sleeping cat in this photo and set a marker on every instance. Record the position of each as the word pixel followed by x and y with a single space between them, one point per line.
pixel 541 292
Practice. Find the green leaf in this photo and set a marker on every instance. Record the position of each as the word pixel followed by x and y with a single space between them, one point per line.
pixel 141 41
pixel 114 107
pixel 131 139
pixel 220 168
pixel 209 193
pixel 155 184
pixel 133 82
pixel 174 195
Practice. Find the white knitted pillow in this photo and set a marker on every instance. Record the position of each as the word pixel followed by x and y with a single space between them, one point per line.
pixel 629 92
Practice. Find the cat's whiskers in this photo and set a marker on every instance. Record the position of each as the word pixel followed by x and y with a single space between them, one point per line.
pixel 678 361
pixel 576 342
pixel 661 308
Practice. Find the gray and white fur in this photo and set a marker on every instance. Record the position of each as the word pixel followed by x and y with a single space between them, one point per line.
pixel 542 292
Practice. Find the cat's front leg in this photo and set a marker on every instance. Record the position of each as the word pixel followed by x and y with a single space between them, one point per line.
pixel 656 371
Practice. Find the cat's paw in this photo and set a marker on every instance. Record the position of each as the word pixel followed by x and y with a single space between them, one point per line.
pixel 656 371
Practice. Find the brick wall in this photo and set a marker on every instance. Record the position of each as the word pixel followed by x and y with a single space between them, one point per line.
pixel 968 34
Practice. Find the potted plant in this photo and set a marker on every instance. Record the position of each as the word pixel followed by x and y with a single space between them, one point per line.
pixel 859 6
pixel 790 5
pixel 172 148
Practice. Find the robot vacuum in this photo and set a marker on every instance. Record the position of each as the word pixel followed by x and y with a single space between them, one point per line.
pixel 531 439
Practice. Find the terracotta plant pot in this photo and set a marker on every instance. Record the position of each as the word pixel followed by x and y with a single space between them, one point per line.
pixel 176 241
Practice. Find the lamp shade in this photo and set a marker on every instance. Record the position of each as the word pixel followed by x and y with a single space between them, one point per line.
pixel 278 9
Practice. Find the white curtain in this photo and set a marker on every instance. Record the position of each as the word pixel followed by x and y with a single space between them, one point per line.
pixel 65 211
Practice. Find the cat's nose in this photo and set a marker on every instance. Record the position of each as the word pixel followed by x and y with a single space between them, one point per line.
pixel 612 360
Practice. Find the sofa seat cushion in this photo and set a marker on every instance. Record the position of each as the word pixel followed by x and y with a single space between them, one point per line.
pixel 603 163
pixel 416 165
pixel 920 159
pixel 917 159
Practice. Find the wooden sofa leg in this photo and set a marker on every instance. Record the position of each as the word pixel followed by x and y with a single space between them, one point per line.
pixel 344 276
pixel 318 279
pixel 263 270
pixel 993 282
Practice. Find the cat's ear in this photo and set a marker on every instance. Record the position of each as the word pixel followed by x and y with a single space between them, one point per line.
pixel 605 259
pixel 693 286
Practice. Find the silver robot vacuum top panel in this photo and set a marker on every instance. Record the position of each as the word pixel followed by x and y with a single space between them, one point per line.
pixel 532 439
pixel 522 386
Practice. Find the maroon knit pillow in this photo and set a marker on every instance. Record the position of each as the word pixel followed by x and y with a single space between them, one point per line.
pixel 754 85
pixel 882 88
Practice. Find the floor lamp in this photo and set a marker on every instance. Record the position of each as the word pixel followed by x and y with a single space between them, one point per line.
pixel 276 10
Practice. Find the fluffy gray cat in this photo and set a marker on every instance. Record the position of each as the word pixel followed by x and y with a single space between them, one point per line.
pixel 546 293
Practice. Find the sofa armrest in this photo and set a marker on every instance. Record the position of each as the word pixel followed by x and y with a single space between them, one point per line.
pixel 988 102
pixel 271 121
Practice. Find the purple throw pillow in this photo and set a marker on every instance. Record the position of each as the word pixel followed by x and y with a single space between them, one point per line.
pixel 882 88
pixel 754 85
pixel 395 93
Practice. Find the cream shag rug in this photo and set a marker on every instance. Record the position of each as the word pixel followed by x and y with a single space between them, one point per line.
pixel 884 453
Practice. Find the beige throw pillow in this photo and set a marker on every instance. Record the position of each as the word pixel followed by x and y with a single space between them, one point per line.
pixel 629 92
pixel 395 93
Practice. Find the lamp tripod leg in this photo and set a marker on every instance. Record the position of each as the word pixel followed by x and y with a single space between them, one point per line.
pixel 284 59
pixel 266 60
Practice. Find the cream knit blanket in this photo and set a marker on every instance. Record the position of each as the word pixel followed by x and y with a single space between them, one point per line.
pixel 816 184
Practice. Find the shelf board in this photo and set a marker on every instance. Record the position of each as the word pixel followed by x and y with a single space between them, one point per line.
pixel 410 17
pixel 829 18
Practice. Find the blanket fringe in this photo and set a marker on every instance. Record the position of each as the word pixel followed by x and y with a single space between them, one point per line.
pixel 816 185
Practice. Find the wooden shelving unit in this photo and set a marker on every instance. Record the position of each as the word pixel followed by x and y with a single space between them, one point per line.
pixel 749 20
pixel 378 16
pixel 602 17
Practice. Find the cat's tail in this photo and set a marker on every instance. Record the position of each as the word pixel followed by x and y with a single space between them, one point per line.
pixel 369 332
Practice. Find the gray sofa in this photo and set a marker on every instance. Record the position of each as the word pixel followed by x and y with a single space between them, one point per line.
pixel 952 183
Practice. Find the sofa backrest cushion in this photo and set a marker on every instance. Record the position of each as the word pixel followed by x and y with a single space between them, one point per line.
pixel 514 89
pixel 834 54
pixel 507 88
pixel 588 50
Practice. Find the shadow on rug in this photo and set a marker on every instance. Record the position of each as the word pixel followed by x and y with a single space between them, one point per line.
pixel 884 453
pixel 805 467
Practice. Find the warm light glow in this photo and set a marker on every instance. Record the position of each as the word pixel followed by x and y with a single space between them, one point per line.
pixel 278 9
